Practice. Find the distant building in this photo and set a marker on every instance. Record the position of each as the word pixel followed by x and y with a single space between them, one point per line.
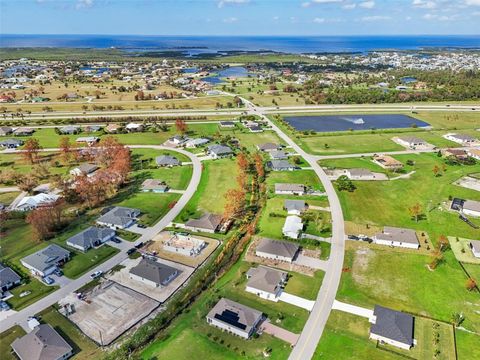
pixel 280 165
pixel 266 282
pixel 387 162
pixel 474 153
pixel 119 218
pixel 46 261
pixel 134 127
pixel 392 327
pixel 153 185
pixel 194 143
pixel 153 273
pixel 267 147
pixel 89 140
pixel 411 142
pixel 69 130
pixel 293 227
pixel 167 161
pixel 360 174
pixel 23 131
pixel 399 237
pixel 277 250
pixel 5 130
pixel 459 154
pixel 295 207
pixel 84 169
pixel 219 151
pixel 278 155
pixel 112 128
pixel 227 124
pixel 11 143
pixel 471 207
pixel 290 189
pixel 235 318
pixel 32 202
pixel 462 139
pixel 90 238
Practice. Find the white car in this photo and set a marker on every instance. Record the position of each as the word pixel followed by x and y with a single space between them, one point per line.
pixel 96 274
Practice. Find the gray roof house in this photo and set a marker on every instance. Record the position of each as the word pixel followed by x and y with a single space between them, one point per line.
pixel 293 189
pixel 167 160
pixel 11 143
pixel 400 237
pixel 295 207
pixel 90 237
pixel 278 155
pixel 411 141
pixel 235 318
pixel 227 124
pixel 8 278
pixel 23 131
pixel 268 147
pixel 84 169
pixel 45 261
pixel 154 185
pixel 276 250
pixel 206 223
pixel 360 174
pixel 475 247
pixel 280 165
pixel 43 343
pixel 266 282
pixel 69 129
pixel 119 217
pixel 153 273
pixel 219 151
pixel 5 130
pixel 392 327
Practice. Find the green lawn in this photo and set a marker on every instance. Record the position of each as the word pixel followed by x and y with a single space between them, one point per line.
pixel 6 338
pixel 83 347
pixel 7 198
pixel 80 262
pixel 462 251
pixel 37 291
pixel 467 345
pixel 306 177
pixel 303 285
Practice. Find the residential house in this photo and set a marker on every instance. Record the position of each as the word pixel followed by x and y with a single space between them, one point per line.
pixel 178 139
pixel 219 151
pixel 84 169
pixel 278 155
pixel 32 202
pixel 475 247
pixel 153 273
pixel 113 128
pixel 167 161
pixel 360 174
pixel 471 207
pixel 255 128
pixel 235 318
pixel 134 127
pixel 119 218
pixel 458 154
pixel 93 128
pixel 277 250
pixel 23 131
pixel 295 207
pixel 400 237
pixel 194 143
pixel 462 139
pixel 184 244
pixel 90 238
pixel 46 261
pixel 8 279
pixel 11 143
pixel 267 147
pixel 280 165
pixel 227 124
pixel 42 343
pixel 387 162
pixel 411 142
pixel 290 189
pixel 392 327
pixel 266 282
pixel 474 153
pixel 153 185
pixel 89 140
pixel 5 130
pixel 293 227
pixel 208 223
pixel 69 130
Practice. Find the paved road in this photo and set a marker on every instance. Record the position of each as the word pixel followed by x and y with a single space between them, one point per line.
pixel 22 316
pixel 313 329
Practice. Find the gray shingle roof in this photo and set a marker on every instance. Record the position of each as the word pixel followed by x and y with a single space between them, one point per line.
pixel 398 234
pixel 268 147
pixel 475 245
pixel 247 317
pixel 8 276
pixel 393 325
pixel 43 259
pixel 280 164
pixel 154 271
pixel 277 247
pixel 167 160
pixel 360 172
pixel 90 236
pixel 298 205
pixel 43 343
pixel 119 216
pixel 265 278
pixel 471 205
pixel 290 187
pixel 219 149
pixel 207 221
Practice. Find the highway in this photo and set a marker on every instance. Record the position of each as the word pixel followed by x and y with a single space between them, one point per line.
pixel 20 317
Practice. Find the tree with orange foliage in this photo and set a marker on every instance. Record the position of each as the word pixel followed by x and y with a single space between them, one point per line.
pixel 443 243
pixel 46 220
pixel 259 166
pixel 235 203
pixel 181 126
pixel 242 162
pixel 122 165
pixel 66 149
pixel 471 284
pixel 242 179
pixel 108 152
pixel 31 150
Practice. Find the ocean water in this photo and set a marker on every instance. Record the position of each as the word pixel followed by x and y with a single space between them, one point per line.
pixel 212 44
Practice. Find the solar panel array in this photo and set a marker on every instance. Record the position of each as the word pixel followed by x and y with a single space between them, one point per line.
pixel 231 318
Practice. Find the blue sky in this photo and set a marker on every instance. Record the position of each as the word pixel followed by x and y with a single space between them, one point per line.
pixel 240 17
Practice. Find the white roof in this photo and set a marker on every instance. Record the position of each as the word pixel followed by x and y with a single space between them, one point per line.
pixel 293 224
pixel 36 200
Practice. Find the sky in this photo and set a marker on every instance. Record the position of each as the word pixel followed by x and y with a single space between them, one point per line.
pixel 240 17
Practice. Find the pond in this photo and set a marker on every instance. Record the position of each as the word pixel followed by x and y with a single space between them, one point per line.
pixel 327 123
pixel 234 71
pixel 408 80
pixel 190 70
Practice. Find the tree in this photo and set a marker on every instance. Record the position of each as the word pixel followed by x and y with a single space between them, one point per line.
pixel 259 166
pixel 415 211
pixel 242 162
pixel 181 126
pixel 235 203
pixel 471 284
pixel 46 220
pixel 443 243
pixel 344 183
pixel 31 150
pixel 457 319
pixel 27 182
pixel 436 171
pixel 241 179
pixel 65 149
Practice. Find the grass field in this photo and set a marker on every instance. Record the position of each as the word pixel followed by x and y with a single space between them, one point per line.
pixel 6 338
pixel 462 251
pixel 305 177
pixel 467 345
pixel 8 197
pixel 305 286
pixel 37 291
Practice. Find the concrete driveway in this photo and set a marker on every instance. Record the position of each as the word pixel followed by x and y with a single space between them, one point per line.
pixel 60 280
pixel 311 262
pixel 297 301
pixel 353 309
pixel 268 328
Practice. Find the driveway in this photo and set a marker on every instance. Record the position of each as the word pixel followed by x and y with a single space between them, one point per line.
pixel 352 309
pixel 311 262
pixel 297 301
pixel 60 280
pixel 278 332
pixel 137 230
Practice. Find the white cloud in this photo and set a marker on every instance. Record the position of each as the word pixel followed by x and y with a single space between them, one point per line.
pixel 82 4
pixel 430 16
pixel 230 20
pixel 367 4
pixel 349 6
pixel 222 3
pixel 276 18
pixel 319 20
pixel 472 2
pixel 314 2
pixel 375 18
pixel 422 4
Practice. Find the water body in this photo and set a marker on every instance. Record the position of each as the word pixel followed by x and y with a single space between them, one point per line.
pixel 328 123
pixel 408 80
pixel 213 44
pixel 191 70
pixel 231 72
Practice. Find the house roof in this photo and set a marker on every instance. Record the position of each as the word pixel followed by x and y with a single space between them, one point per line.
pixel 167 160
pixel 227 123
pixel 88 237
pixel 207 221
pixel 219 149
pixel 86 168
pixel 268 146
pixel 8 276
pixel 43 259
pixel 154 271
pixel 154 184
pixel 360 172
pixel 234 314
pixel 398 234
pixel 290 187
pixel 265 279
pixel 412 140
pixel 387 160
pixel 69 128
pixel 298 205
pixel 23 130
pixel 277 247
pixel 7 142
pixel 393 325
pixel 198 141
pixel 43 343
pixel 37 200
pixel 120 216
pixel 463 137
pixel 292 224
pixel 278 154
pixel 475 245
pixel 455 152
pixel 280 164
pixel 471 205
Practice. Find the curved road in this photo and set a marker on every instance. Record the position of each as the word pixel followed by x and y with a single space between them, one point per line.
pixel 21 316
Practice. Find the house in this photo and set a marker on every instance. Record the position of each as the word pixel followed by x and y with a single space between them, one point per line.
pixel 267 147
pixel 278 155
pixel 42 343
pixel 46 261
pixel 167 161
pixel 219 151
pixel 178 139
pixel 360 174
pixel 208 223
pixel 184 244
pixel 194 143
pixel 23 131
pixel 392 327
pixel 84 169
pixel 295 207
pixel 458 154
pixel 471 207
pixel 234 318
pixel 5 130
pixel 112 128
pixel 153 185
pixel 32 202
pixel 11 143
pixel 153 273
pixel 392 236
pixel 227 124
pixel 474 153
pixel 462 139
pixel 93 128
pixel 292 227
pixel 8 279
pixel 255 128
pixel 475 247
pixel 387 162
pixel 276 250
pixel 411 142
pixel 90 238
pixel 89 140
pixel 280 165
pixel 134 127
pixel 266 282
pixel 119 218
pixel 290 189
pixel 69 130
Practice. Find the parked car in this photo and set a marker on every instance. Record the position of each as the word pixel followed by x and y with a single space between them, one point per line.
pixel 142 226
pixel 139 245
pixel 4 306
pixel 58 272
pixel 48 280
pixel 131 251
pixel 116 240
pixel 96 274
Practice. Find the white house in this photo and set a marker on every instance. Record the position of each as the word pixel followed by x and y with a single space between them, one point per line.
pixel 360 174
pixel 474 153
pixel 32 202
pixel 266 282
pixel 134 127
pixel 46 261
pixel 475 247
pixel 292 227
pixel 392 236
pixel 153 273
pixel 411 142
pixel 471 207
pixel 392 327
pixel 462 139
pixel 290 189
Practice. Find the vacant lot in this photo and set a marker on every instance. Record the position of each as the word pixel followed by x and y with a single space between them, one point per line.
pixel 305 177
pixel 462 251
pixel 305 286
